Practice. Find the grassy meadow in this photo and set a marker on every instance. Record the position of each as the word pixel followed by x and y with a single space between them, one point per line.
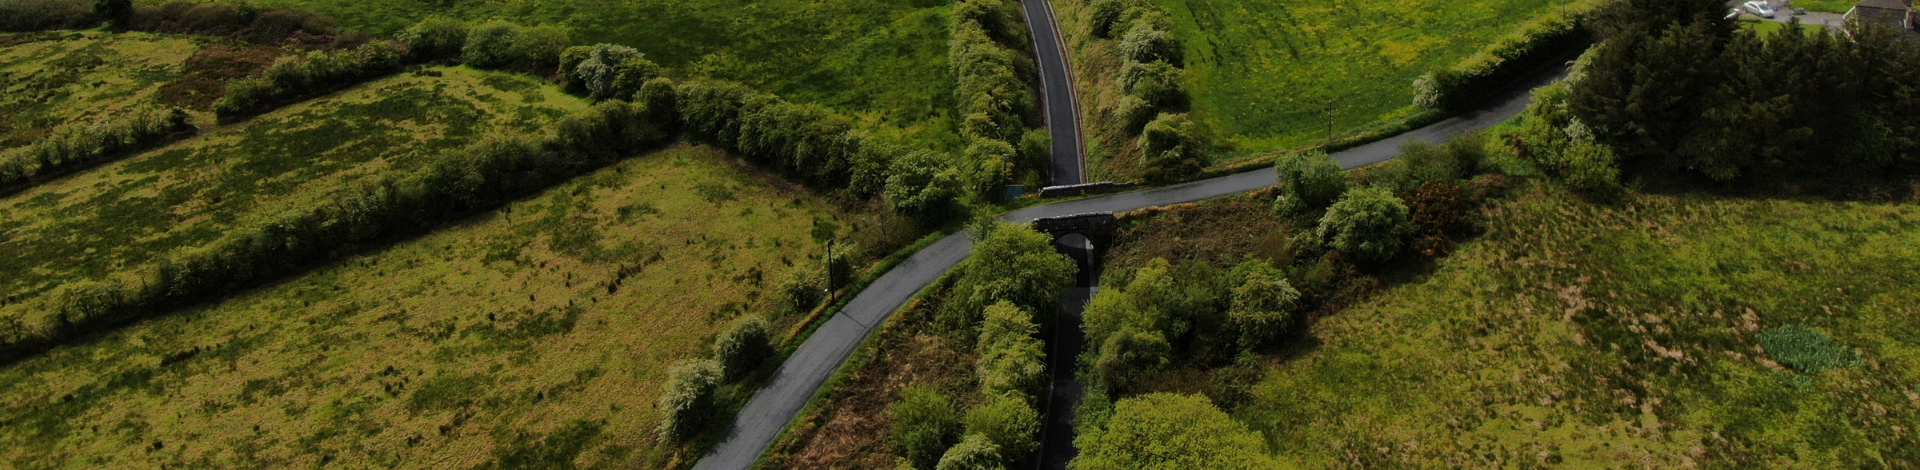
pixel 1670 331
pixel 883 60
pixel 51 79
pixel 533 336
pixel 1262 73
pixel 113 220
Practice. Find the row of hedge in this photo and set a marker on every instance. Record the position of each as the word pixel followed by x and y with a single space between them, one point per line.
pixel 999 298
pixel 1533 46
pixel 689 401
pixel 1151 79
pixel 74 147
pixel 482 176
pixel 994 100
pixel 492 45
pixel 241 22
pixel 317 73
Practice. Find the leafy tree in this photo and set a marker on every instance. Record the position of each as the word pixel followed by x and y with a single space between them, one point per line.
pixel 1105 14
pixel 1173 152
pixel 490 45
pixel 595 69
pixel 1369 224
pixel 1309 182
pixel 1010 425
pixel 1014 264
pixel 687 402
pixel 1036 151
pixel 1263 304
pixel 435 38
pixel 975 452
pixel 1011 359
pixel 923 185
pixel 1165 431
pixel 745 345
pixel 995 163
pixel 924 425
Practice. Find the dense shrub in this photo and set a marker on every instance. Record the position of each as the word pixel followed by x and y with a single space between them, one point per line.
pixel 538 48
pixel 1131 114
pixel 924 425
pixel 804 141
pixel 434 39
pixel 1014 264
pixel 1165 431
pixel 975 452
pixel 41 15
pixel 311 75
pixel 490 45
pixel 1104 15
pixel 803 290
pixel 1125 356
pixel 1556 142
pixel 1173 152
pixel 1036 150
pixel 744 346
pixel 1437 212
pixel 1806 349
pixel 1010 425
pixel 1509 59
pixel 687 400
pixel 1011 359
pixel 1157 83
pixel 1308 183
pixel 481 176
pixel 1263 304
pixel 1367 224
pixel 993 100
pixel 996 163
pixel 72 147
pixel 1147 42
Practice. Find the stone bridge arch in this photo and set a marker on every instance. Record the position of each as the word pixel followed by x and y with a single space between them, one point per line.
pixel 1083 237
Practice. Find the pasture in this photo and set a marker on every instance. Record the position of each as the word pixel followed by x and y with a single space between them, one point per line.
pixel 1669 331
pixel 1269 75
pixel 113 221
pixel 882 60
pixel 50 79
pixel 532 336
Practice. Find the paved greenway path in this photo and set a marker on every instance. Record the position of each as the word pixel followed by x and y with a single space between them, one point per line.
pixel 795 382
pixel 1057 96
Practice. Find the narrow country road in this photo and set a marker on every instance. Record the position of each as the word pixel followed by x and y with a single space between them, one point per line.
pixel 1062 105
pixel 773 407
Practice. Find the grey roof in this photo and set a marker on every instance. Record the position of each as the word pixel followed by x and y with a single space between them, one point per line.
pixel 1884 4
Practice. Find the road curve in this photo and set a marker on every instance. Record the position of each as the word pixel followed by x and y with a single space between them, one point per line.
pixel 795 382
pixel 1062 105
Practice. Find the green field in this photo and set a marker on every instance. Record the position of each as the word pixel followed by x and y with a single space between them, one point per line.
pixel 112 221
pixel 533 336
pixel 1597 336
pixel 1826 6
pixel 884 60
pixel 54 79
pixel 1262 73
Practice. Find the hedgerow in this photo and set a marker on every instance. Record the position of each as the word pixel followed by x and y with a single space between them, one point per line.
pixel 317 73
pixel 73 147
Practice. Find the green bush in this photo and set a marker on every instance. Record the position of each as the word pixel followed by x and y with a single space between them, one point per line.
pixel 1164 431
pixel 975 452
pixel 1173 152
pixel 1308 183
pixel 71 147
pixel 1012 361
pixel 993 100
pixel 490 45
pixel 923 185
pixel 1551 138
pixel 539 48
pixel 996 163
pixel 687 400
pixel 435 38
pixel 1036 151
pixel 1010 425
pixel 1131 114
pixel 1126 356
pixel 924 425
pixel 1806 349
pixel 1157 83
pixel 1105 14
pixel 1147 42
pixel 1368 224
pixel 1263 304
pixel 803 290
pixel 744 346
pixel 593 70
pixel 1015 265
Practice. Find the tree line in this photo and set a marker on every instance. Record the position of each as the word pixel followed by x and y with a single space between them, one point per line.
pixel 994 99
pixel 1676 88
pixel 73 147
pixel 1153 103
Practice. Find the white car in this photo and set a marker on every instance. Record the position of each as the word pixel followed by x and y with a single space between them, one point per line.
pixel 1762 9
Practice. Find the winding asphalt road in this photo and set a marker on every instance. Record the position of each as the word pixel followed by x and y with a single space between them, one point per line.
pixel 1056 93
pixel 796 381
